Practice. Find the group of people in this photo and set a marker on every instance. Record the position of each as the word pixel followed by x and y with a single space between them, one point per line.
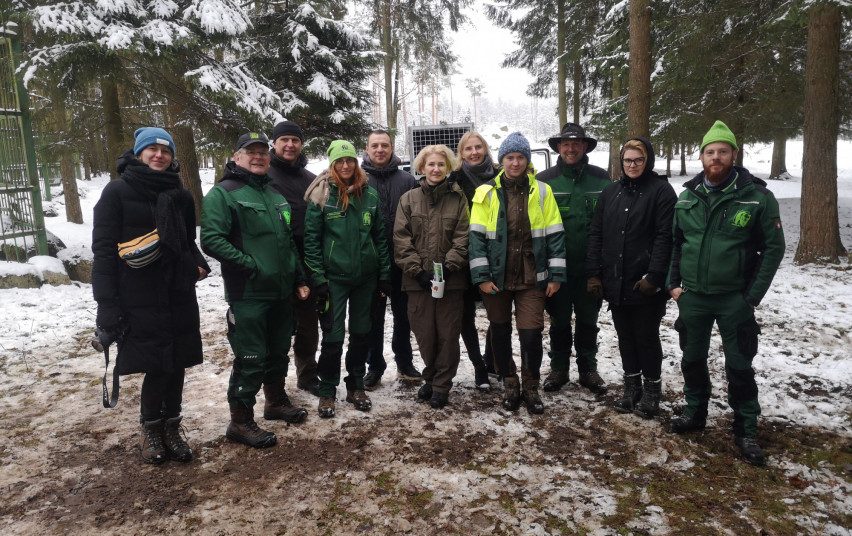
pixel 297 250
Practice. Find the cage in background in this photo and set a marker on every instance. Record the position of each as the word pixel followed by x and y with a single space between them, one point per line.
pixel 449 135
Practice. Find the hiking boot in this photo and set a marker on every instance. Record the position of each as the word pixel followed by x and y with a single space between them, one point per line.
pixel 511 393
pixel 243 429
pixel 439 400
pixel 649 404
pixel 631 395
pixel 311 386
pixel 750 450
pixel 689 423
pixel 425 392
pixel 555 380
pixel 278 407
pixel 592 381
pixel 326 407
pixel 359 399
pixel 409 373
pixel 532 399
pixel 372 380
pixel 480 377
pixel 175 442
pixel 151 442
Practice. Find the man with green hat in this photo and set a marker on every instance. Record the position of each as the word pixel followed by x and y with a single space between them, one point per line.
pixel 576 186
pixel 728 243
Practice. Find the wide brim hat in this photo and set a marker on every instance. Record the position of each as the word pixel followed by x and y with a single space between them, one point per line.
pixel 572 131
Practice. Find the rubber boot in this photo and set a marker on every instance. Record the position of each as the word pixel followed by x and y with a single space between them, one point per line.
pixel 243 429
pixel 511 393
pixel 277 406
pixel 151 442
pixel 176 447
pixel 632 393
pixel 649 405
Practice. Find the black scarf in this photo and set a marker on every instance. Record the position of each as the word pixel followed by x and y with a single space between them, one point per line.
pixel 480 173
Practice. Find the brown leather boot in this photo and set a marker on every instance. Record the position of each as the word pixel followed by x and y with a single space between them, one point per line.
pixel 511 393
pixel 278 407
pixel 243 429
pixel 151 442
pixel 531 398
pixel 359 399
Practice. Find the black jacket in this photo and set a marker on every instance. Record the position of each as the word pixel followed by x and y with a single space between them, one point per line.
pixel 291 180
pixel 156 303
pixel 631 235
pixel 468 186
pixel 391 182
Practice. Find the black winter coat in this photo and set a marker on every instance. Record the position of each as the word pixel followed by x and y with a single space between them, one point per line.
pixel 391 182
pixel 156 304
pixel 631 235
pixel 292 180
pixel 468 186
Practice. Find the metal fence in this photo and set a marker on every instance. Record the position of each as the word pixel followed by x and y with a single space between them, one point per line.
pixel 22 231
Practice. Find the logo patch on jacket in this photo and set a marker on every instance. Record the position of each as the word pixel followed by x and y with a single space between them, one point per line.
pixel 741 218
pixel 368 219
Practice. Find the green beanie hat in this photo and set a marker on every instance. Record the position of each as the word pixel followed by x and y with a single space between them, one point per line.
pixel 340 149
pixel 719 132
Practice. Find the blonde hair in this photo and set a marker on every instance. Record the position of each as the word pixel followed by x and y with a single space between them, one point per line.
pixel 442 150
pixel 463 141
pixel 359 182
pixel 636 145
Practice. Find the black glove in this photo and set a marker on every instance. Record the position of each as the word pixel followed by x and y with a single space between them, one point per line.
pixel 320 293
pixel 646 287
pixel 108 317
pixel 594 287
pixel 424 279
pixel 384 287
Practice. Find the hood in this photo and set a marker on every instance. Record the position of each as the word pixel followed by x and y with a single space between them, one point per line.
pixel 384 172
pixel 650 160
pixel 744 178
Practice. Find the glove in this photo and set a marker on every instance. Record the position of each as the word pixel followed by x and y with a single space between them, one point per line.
pixel 646 287
pixel 320 293
pixel 108 317
pixel 384 287
pixel 594 287
pixel 424 279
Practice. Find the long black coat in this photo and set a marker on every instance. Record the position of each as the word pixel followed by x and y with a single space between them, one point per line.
pixel 156 305
pixel 631 235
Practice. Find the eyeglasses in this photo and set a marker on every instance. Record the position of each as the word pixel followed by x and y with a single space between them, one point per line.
pixel 256 154
pixel 633 161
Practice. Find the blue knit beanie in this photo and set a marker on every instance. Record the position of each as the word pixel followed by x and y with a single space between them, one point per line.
pixel 514 143
pixel 146 136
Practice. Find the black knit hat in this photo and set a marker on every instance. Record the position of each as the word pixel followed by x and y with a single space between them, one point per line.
pixel 287 128
pixel 572 131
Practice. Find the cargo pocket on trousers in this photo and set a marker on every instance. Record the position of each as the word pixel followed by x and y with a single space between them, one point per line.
pixel 747 333
pixel 680 327
pixel 232 322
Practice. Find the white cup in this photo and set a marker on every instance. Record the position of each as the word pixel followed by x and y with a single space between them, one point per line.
pixel 438 289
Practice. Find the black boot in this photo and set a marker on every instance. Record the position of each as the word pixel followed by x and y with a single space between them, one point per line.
pixel 277 406
pixel 591 380
pixel 151 442
pixel 632 393
pixel 532 399
pixel 693 422
pixel 424 394
pixel 555 380
pixel 439 399
pixel 750 450
pixel 243 429
pixel 176 446
pixel 649 405
pixel 480 375
pixel 511 393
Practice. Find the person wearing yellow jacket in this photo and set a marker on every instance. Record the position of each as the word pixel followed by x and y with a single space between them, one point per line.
pixel 516 256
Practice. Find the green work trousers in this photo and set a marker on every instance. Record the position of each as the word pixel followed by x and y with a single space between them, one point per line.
pixel 572 298
pixel 739 332
pixel 259 332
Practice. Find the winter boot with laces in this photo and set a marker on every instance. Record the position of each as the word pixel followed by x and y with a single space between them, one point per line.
pixel 173 438
pixel 592 381
pixel 424 394
pixel 649 405
pixel 359 399
pixel 243 429
pixel 532 399
pixel 632 393
pixel 750 450
pixel 151 442
pixel 690 422
pixel 555 380
pixel 326 407
pixel 439 399
pixel 278 406
pixel 511 393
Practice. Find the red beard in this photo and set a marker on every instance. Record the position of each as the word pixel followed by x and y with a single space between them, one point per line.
pixel 717 177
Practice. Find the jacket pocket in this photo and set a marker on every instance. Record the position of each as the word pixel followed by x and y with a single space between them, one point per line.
pixel 747 333
pixel 254 218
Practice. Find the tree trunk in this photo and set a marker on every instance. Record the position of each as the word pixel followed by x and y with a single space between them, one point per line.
pixel 73 212
pixel 668 160
pixel 639 90
pixel 180 127
pixel 614 142
pixel 682 159
pixel 561 60
pixel 578 79
pixel 779 156
pixel 386 44
pixel 112 123
pixel 741 154
pixel 820 231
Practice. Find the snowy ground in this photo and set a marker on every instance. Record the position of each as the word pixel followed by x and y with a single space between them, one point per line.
pixel 71 466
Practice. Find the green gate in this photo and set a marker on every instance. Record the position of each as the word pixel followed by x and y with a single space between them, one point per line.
pixel 22 230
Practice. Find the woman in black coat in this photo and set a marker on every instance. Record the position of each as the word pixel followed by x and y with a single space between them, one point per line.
pixel 630 244
pixel 147 301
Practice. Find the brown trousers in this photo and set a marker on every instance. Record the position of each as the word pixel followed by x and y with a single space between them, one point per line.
pixel 529 319
pixel 436 324
pixel 306 340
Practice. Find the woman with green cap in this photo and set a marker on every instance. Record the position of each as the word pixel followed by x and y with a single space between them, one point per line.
pixel 346 254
